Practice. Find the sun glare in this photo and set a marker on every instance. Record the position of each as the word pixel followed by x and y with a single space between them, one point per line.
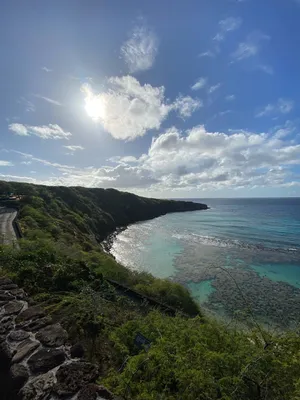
pixel 94 105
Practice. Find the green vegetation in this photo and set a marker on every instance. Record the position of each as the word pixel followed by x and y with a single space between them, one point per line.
pixel 62 266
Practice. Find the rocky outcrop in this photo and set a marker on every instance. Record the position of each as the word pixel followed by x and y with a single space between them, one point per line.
pixel 36 360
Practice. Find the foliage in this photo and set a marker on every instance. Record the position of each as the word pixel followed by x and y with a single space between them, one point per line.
pixel 191 359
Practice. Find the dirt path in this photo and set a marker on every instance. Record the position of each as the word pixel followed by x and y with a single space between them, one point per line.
pixel 7 232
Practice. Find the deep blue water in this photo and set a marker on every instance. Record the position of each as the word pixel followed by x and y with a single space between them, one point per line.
pixel 260 237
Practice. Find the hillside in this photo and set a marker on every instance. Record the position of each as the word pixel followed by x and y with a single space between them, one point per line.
pixel 62 267
pixel 92 212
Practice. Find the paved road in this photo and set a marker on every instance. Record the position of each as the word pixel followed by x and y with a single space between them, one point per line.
pixel 7 233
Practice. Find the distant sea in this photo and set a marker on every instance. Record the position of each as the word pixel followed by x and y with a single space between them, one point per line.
pixel 240 255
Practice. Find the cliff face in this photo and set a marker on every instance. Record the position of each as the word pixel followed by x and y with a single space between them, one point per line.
pixel 96 211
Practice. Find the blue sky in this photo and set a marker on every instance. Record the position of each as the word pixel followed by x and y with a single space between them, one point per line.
pixel 195 98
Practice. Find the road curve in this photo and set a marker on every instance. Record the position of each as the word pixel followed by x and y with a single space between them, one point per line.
pixel 7 232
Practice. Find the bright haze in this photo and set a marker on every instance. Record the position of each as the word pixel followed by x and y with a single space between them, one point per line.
pixel 194 98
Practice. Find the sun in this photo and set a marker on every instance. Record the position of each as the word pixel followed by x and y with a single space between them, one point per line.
pixel 94 107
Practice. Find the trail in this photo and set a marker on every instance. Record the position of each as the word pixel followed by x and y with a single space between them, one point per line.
pixel 7 232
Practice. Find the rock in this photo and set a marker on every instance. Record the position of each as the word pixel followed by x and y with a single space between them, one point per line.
pixel 18 293
pixel 35 325
pixel 18 336
pixel 8 286
pixel 4 280
pixel 77 351
pixel 38 388
pixel 74 376
pixel 5 356
pixel 52 336
pixel 92 391
pixel 6 297
pixel 30 313
pixel 18 375
pixel 3 303
pixel 46 359
pixel 13 307
pixel 24 349
pixel 6 325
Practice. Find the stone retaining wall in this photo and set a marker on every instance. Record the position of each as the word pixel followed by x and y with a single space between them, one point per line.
pixel 36 361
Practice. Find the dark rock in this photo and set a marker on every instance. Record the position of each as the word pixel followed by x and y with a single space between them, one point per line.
pixel 77 351
pixel 18 375
pixel 18 293
pixel 30 314
pixel 6 325
pixel 52 336
pixel 9 286
pixel 2 303
pixel 5 356
pixel 74 376
pixel 13 307
pixel 18 336
pixel 35 325
pixel 92 391
pixel 46 359
pixel 4 280
pixel 24 349
pixel 6 297
pixel 38 388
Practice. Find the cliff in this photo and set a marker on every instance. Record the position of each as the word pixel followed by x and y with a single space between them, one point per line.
pixel 97 211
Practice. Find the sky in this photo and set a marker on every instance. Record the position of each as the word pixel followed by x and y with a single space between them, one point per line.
pixel 189 98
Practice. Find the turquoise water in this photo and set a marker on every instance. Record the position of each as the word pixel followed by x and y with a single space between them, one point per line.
pixel 201 290
pixel 239 246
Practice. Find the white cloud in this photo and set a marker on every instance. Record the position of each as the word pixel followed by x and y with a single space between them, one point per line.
pixel 128 110
pixel 29 106
pixel 213 88
pixel 199 84
pixel 74 148
pixel 46 69
pixel 51 101
pixel 51 131
pixel 227 25
pixel 140 50
pixel 208 53
pixel 230 97
pixel 195 159
pixel 6 163
pixel 250 47
pixel 186 105
pixel 283 106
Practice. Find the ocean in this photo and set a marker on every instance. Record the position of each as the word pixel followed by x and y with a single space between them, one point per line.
pixel 240 259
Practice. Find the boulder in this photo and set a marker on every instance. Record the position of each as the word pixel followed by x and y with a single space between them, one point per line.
pixel 5 281
pixel 18 376
pixel 38 388
pixel 18 293
pixel 9 286
pixel 35 325
pixel 6 325
pixel 5 356
pixel 46 359
pixel 52 336
pixel 6 297
pixel 77 351
pixel 18 336
pixel 30 313
pixel 24 349
pixel 93 391
pixel 13 307
pixel 74 376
